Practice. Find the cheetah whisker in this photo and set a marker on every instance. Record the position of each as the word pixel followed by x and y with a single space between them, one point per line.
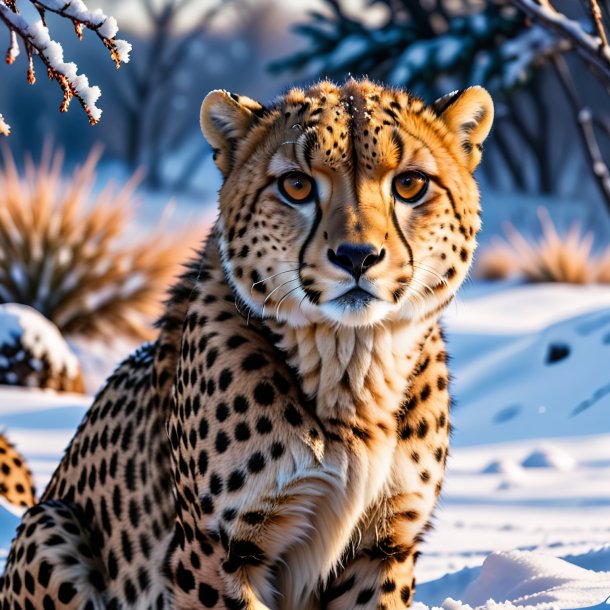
pixel 278 287
pixel 277 309
pixel 270 277
pixel 432 272
pixel 274 290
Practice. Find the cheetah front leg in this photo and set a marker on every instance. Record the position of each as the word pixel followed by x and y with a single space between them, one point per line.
pixel 235 560
pixel 381 573
pixel 53 562
pixel 380 576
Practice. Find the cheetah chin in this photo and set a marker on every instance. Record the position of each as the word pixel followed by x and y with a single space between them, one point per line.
pixel 282 444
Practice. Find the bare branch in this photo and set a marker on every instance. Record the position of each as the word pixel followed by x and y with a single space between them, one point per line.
pixel 590 48
pixel 585 122
pixel 599 24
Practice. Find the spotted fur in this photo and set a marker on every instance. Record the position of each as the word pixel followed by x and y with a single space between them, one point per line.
pixel 16 483
pixel 282 444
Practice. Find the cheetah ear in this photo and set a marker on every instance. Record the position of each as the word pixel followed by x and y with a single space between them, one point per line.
pixel 469 114
pixel 225 118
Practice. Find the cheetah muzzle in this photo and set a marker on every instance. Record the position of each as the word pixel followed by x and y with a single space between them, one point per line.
pixel 282 444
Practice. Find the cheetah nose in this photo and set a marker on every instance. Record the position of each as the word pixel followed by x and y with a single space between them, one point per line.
pixel 356 259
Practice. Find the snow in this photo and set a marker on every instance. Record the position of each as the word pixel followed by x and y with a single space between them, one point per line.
pixel 41 337
pixel 37 34
pixel 533 579
pixel 524 517
pixel 549 456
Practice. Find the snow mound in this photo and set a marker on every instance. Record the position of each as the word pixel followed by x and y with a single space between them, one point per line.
pixel 521 579
pixel 504 466
pixel 549 456
pixel 33 352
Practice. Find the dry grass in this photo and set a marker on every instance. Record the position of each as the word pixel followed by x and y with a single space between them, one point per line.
pixel 553 258
pixel 71 254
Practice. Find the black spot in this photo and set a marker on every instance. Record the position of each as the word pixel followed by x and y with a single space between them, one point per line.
pixel 557 352
pixel 130 591
pixel 222 442
pixel 66 592
pixel 422 428
pixel 405 594
pixel 264 393
pixel 126 546
pixel 211 357
pixel 222 411
pixel 207 504
pixel 292 415
pixel 388 586
pixel 113 566
pixel 339 590
pixel 264 425
pixel 44 574
pixel 185 578
pixel 229 514
pixel 225 379
pixel 277 450
pixel 235 341
pixel 256 463
pixel 236 480
pixel 203 462
pixel 254 517
pixel 254 362
pixel 242 431
pixel 215 484
pixel 425 393
pixel 208 595
pixel 364 596
pixel 240 404
pixel 48 603
pixel 281 383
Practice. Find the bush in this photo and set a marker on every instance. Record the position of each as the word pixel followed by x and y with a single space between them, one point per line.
pixel 552 258
pixel 69 253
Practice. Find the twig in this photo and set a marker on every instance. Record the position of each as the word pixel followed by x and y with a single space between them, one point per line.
pixel 599 24
pixel 37 41
pixel 17 24
pixel 588 47
pixel 584 118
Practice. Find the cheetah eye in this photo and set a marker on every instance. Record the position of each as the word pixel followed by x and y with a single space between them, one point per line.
pixel 410 186
pixel 297 187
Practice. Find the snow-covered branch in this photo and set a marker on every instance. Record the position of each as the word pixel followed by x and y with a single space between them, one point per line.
pixel 36 40
pixel 591 48
pixel 595 51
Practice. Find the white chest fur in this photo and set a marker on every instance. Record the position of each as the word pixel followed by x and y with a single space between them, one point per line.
pixel 358 379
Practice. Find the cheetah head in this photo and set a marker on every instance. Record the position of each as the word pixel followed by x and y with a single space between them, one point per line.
pixel 353 204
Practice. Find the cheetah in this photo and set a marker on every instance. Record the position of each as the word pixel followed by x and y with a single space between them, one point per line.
pixel 282 444
pixel 16 483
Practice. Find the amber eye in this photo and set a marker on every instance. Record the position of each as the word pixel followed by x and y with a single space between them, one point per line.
pixel 297 187
pixel 410 187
